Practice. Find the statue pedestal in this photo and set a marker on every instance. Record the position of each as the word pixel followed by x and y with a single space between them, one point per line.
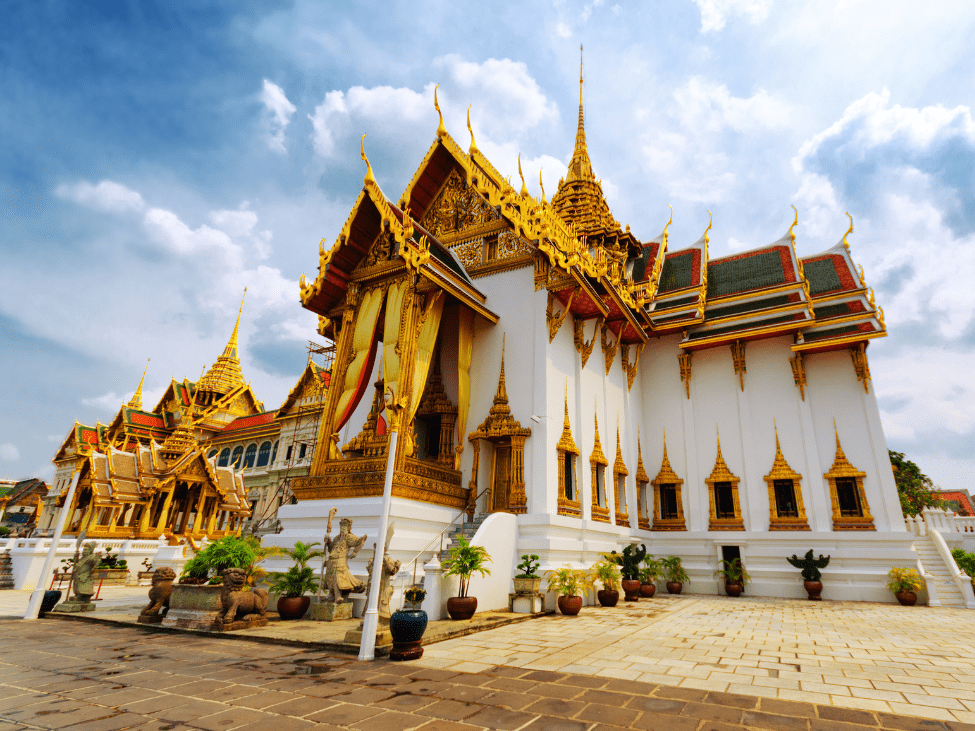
pixel 330 611
pixel 526 603
pixel 383 637
pixel 74 606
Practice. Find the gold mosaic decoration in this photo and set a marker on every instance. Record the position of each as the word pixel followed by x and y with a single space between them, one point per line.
pixel 585 348
pixel 667 476
pixel 721 473
pixel 799 373
pixel 842 468
pixel 782 471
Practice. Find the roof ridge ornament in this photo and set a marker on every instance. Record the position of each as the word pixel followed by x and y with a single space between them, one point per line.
pixel 795 221
pixel 848 232
pixel 441 129
pixel 473 147
pixel 542 186
pixel 370 178
pixel 524 188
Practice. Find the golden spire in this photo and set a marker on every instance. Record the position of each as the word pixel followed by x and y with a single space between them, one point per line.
pixel 136 401
pixel 441 129
pixel 501 397
pixel 580 167
pixel 473 147
pixel 225 375
pixel 370 178
pixel 541 185
pixel 524 188
pixel 666 462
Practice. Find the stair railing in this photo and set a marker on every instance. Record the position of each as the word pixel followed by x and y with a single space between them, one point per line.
pixel 440 535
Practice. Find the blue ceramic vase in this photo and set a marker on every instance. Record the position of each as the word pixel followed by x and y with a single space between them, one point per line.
pixel 407 627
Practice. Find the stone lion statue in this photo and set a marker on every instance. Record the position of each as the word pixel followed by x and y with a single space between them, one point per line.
pixel 237 601
pixel 162 589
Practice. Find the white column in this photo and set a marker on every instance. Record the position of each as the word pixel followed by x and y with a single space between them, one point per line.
pixel 34 605
pixel 432 578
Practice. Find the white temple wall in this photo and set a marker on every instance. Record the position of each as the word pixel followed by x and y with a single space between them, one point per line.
pixel 561 373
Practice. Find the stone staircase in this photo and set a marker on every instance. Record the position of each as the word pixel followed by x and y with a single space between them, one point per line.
pixel 6 572
pixel 934 567
pixel 467 530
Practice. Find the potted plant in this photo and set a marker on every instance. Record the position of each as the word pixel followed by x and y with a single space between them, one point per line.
pixel 629 563
pixel 407 626
pixel 735 576
pixel 648 575
pixel 674 574
pixel 570 584
pixel 811 577
pixel 292 584
pixel 528 582
pixel 905 584
pixel 146 571
pixel 464 559
pixel 111 569
pixel 607 572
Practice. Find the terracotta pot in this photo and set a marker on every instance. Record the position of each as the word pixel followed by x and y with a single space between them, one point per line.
pixel 648 590
pixel 906 598
pixel 407 627
pixel 814 589
pixel 674 587
pixel 607 597
pixel 631 589
pixel 733 589
pixel 461 607
pixel 570 605
pixel 293 607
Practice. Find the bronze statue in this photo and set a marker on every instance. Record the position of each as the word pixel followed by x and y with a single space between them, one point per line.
pixel 81 576
pixel 342 548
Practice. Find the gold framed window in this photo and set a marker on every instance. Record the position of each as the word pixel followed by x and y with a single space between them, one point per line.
pixel 642 480
pixel 850 508
pixel 567 455
pixel 668 506
pixel 619 484
pixel 598 464
pixel 725 507
pixel 786 510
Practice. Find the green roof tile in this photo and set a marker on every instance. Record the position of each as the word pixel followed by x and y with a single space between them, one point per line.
pixel 740 275
pixel 822 276
pixel 677 272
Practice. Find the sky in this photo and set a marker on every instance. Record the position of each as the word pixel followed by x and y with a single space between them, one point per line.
pixel 157 158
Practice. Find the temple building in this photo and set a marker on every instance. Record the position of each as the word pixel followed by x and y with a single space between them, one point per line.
pixel 547 363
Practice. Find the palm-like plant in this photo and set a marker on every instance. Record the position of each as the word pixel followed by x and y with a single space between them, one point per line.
pixel 300 578
pixel 465 559
pixel 734 572
pixel 567 581
pixel 607 572
pixel 652 569
pixel 674 571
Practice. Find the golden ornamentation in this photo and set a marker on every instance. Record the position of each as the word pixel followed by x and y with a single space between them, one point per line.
pixel 441 129
pixel 609 351
pixel 598 464
pixel 684 359
pixel 456 208
pixel 799 373
pixel 642 480
pixel 473 148
pixel 555 321
pixel 721 473
pixel 619 470
pixel 502 429
pixel 842 469
pixel 630 368
pixel 435 402
pixel 511 245
pixel 585 348
pixel 470 253
pixel 782 471
pixel 567 446
pixel 846 244
pixel 667 476
pixel 738 358
pixel 417 255
pixel 860 365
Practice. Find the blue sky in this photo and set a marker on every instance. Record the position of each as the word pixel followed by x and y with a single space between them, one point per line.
pixel 157 160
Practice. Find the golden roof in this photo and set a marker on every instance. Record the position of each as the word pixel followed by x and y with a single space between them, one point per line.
pixel 225 375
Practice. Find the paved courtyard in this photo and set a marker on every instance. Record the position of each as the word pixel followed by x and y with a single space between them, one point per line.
pixel 703 663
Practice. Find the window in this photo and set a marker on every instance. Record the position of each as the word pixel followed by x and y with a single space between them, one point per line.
pixel 566 453
pixel 723 497
pixel 224 457
pixel 598 464
pixel 264 455
pixel 601 486
pixel 785 499
pixel 620 473
pixel 849 500
pixel 301 451
pixel 568 465
pixel 668 502
pixel 274 453
pixel 212 453
pixel 621 495
pixel 724 504
pixel 238 456
pixel 287 455
pixel 250 456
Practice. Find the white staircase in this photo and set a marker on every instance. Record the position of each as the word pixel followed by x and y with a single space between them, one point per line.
pixel 936 571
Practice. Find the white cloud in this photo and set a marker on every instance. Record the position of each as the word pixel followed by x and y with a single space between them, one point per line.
pixel 107 401
pixel 706 106
pixel 714 13
pixel 106 196
pixel 687 169
pixel 280 110
pixel 9 452
pixel 323 133
pixel 563 30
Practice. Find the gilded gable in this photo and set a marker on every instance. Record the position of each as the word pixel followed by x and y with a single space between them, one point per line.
pixel 456 209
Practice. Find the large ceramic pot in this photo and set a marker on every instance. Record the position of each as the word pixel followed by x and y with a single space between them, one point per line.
pixel 461 607
pixel 733 589
pixel 631 590
pixel 527 586
pixel 607 597
pixel 407 627
pixel 814 589
pixel 293 607
pixel 570 605
pixel 674 587
pixel 906 598
pixel 648 590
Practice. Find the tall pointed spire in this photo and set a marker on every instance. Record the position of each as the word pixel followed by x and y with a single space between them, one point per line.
pixel 225 375
pixel 501 397
pixel 136 401
pixel 580 167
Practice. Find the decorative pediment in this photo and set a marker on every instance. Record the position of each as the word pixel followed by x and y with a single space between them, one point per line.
pixel 457 209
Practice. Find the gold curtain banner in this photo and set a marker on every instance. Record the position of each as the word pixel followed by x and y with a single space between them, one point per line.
pixel 391 359
pixel 364 354
pixel 465 351
pixel 425 343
